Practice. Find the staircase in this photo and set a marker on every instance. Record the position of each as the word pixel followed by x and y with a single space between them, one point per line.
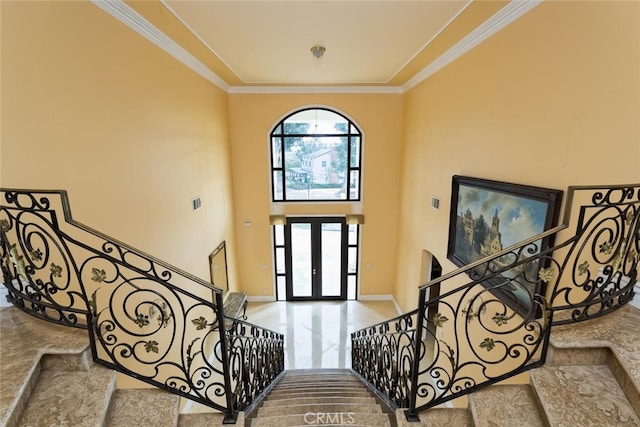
pixel 591 378
pixel 321 396
pixel 480 354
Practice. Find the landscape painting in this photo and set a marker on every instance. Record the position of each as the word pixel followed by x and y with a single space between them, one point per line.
pixel 489 216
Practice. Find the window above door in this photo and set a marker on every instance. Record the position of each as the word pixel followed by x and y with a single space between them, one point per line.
pixel 316 156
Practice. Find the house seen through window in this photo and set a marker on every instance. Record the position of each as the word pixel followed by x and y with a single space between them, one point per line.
pixel 315 155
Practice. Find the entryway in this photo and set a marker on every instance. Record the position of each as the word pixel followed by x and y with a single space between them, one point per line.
pixel 318 333
pixel 316 259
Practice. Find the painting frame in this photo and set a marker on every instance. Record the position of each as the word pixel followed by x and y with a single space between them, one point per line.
pixel 519 213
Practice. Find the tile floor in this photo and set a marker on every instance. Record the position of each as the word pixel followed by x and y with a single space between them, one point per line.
pixel 318 334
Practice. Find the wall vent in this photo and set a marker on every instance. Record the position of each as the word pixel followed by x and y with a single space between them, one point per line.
pixel 435 202
pixel 196 203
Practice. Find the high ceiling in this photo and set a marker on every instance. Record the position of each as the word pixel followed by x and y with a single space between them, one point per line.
pixel 268 43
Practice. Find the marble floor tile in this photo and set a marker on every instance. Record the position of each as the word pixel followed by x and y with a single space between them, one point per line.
pixel 318 334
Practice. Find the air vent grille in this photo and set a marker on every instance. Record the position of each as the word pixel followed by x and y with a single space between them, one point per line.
pixel 196 203
pixel 435 202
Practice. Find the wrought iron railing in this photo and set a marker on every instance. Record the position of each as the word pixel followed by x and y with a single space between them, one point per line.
pixel 383 356
pixel 256 359
pixel 145 318
pixel 598 267
pixel 491 319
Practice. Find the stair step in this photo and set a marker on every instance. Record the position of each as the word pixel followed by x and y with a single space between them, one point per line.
pixel 30 338
pixel 583 395
pixel 81 361
pixel 327 399
pixel 315 380
pixel 320 407
pixel 452 417
pixel 319 374
pixel 571 356
pixel 319 397
pixel 319 371
pixel 314 418
pixel 489 409
pixel 308 392
pixel 70 398
pixel 130 407
pixel 319 386
pixel 207 420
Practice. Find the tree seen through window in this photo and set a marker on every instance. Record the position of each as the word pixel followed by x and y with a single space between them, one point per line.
pixel 315 155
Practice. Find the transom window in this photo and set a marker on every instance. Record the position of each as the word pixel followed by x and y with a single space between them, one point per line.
pixel 315 155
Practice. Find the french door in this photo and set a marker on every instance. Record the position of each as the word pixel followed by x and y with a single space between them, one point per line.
pixel 316 254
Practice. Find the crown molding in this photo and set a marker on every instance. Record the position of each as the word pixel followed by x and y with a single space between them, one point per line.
pixel 119 10
pixel 196 35
pixel 497 22
pixel 314 89
pixel 512 11
pixel 435 36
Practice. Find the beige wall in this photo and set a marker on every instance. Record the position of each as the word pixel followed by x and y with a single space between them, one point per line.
pixel 552 100
pixel 92 107
pixel 379 118
pixel 88 105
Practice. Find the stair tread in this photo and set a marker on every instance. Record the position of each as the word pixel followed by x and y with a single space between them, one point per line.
pixel 267 411
pixel 319 398
pixel 67 398
pixel 81 361
pixel 583 395
pixel 454 417
pixel 316 383
pixel 315 399
pixel 160 408
pixel 320 387
pixel 29 337
pixel 319 380
pixel 489 406
pixel 318 371
pixel 207 420
pixel 344 418
pixel 315 380
pixel 325 386
pixel 617 330
pixel 321 392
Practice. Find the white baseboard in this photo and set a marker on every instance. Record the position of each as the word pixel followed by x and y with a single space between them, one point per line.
pixel 383 297
pixel 398 309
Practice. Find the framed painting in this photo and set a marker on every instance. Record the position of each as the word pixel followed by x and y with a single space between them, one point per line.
pixel 489 216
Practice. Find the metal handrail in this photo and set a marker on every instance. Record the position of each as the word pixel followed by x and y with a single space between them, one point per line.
pixel 143 316
pixel 497 323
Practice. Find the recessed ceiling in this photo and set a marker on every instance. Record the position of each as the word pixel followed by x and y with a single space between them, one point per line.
pixel 370 45
pixel 269 42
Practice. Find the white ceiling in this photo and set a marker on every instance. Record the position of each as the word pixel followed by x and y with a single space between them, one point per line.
pixel 269 42
pixel 264 45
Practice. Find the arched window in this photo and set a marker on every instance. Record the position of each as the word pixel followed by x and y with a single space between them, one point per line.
pixel 315 155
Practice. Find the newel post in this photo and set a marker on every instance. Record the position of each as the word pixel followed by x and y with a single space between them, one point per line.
pixel 411 414
pixel 231 414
